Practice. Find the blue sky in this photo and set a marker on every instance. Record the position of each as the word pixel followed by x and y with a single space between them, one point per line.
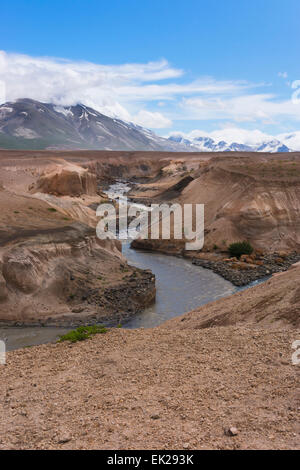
pixel 169 65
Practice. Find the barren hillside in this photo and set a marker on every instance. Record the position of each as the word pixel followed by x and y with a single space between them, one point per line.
pixel 255 198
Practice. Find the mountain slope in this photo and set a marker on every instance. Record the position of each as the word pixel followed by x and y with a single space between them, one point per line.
pixel 30 124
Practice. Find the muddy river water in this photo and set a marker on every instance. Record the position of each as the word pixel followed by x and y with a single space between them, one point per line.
pixel 181 287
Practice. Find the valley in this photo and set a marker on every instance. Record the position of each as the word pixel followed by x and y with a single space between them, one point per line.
pixel 188 335
pixel 58 273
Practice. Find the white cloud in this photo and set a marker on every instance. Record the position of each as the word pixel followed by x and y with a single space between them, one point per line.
pixel 115 90
pixel 153 120
pixel 129 91
pixel 206 86
pixel 111 89
pixel 243 108
pixel 282 74
pixel 244 136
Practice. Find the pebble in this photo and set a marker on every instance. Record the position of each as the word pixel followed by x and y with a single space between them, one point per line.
pixel 63 439
pixel 232 431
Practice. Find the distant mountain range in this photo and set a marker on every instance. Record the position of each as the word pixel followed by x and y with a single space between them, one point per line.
pixel 30 124
pixel 206 144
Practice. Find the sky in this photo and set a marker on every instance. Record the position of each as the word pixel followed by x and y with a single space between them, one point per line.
pixel 225 68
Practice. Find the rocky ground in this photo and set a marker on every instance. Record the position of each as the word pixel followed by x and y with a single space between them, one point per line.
pixel 109 302
pixel 120 302
pixel 183 385
pixel 153 389
pixel 241 273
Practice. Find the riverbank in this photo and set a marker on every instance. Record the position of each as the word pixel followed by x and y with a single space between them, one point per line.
pixel 242 274
pixel 239 272
pixel 108 305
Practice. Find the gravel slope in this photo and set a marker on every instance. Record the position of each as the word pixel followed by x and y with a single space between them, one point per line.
pixel 152 389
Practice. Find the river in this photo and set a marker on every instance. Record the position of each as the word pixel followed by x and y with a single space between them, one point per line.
pixel 181 287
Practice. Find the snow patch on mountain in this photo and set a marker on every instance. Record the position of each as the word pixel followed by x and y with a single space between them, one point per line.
pixel 25 133
pixel 63 110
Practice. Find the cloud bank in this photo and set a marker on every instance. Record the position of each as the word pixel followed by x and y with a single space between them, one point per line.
pixel 113 90
pixel 154 94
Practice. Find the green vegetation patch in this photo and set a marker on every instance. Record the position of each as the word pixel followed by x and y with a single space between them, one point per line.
pixel 82 333
pixel 104 201
pixel 240 248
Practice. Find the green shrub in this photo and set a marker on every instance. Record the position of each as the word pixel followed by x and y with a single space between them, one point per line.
pixel 240 248
pixel 81 333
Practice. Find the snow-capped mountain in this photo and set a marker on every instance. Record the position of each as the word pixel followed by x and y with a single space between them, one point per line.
pixel 207 144
pixel 291 139
pixel 272 146
pixel 26 123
